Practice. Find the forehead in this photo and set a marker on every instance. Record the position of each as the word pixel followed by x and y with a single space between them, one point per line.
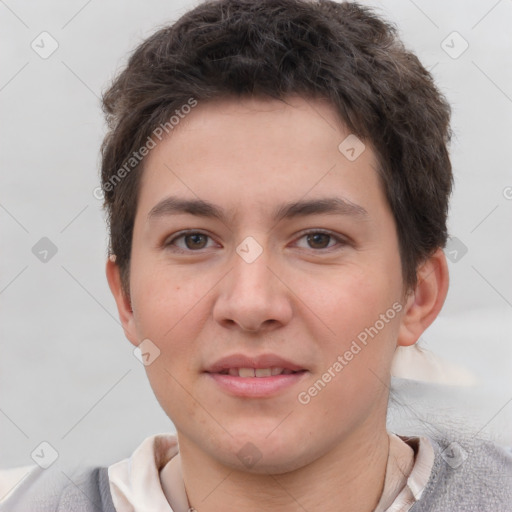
pixel 254 151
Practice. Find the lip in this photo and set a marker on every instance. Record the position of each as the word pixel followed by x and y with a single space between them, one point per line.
pixel 261 361
pixel 255 387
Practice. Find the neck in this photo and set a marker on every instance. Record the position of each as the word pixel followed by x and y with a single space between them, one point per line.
pixel 350 477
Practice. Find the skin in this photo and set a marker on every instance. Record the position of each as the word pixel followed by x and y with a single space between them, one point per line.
pixel 304 299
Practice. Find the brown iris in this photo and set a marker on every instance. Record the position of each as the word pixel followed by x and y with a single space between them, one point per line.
pixel 318 240
pixel 195 241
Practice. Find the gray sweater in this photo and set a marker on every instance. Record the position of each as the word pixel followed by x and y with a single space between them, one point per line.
pixel 467 476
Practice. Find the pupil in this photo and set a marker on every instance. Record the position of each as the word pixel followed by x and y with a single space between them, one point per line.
pixel 318 240
pixel 196 240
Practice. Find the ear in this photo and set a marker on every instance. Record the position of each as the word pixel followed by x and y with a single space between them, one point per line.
pixel 124 307
pixel 426 300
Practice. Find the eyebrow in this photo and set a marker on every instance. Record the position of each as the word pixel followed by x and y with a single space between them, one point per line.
pixel 330 205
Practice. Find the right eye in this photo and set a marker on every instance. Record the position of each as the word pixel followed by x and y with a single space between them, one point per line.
pixel 189 241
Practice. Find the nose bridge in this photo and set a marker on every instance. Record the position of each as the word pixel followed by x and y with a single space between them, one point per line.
pixel 251 277
pixel 252 296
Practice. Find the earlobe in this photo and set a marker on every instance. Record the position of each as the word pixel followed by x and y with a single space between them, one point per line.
pixel 426 300
pixel 123 303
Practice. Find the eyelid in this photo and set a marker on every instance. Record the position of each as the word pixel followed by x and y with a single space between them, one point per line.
pixel 169 240
pixel 342 241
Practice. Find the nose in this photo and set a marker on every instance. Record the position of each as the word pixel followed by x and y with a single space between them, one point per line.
pixel 252 297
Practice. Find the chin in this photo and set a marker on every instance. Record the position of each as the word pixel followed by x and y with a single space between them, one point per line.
pixel 251 459
pixel 263 453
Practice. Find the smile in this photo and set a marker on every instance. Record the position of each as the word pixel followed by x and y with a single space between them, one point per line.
pixel 256 372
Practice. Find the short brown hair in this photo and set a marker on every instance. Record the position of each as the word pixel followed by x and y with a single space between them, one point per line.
pixel 342 52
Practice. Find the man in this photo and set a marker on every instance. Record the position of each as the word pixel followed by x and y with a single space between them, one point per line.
pixel 276 179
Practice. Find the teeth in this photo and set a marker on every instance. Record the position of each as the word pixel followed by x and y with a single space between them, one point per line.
pixel 246 372
pixel 263 372
pixel 257 372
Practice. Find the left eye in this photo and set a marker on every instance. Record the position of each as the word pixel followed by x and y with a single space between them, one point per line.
pixel 190 241
pixel 319 240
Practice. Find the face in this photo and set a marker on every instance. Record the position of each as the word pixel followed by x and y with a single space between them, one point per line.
pixel 265 268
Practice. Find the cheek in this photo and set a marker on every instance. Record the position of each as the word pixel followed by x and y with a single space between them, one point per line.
pixel 347 299
pixel 359 321
pixel 354 376
pixel 171 315
pixel 163 299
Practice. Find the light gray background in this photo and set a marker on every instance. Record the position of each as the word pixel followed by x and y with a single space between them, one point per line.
pixel 67 374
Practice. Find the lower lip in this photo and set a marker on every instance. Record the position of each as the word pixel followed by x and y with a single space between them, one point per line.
pixel 256 387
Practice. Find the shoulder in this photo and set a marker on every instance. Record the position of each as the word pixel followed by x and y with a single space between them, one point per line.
pixel 58 490
pixel 468 475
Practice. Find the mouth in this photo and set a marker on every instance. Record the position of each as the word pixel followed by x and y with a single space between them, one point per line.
pixel 258 372
pixel 255 377
pixel 265 365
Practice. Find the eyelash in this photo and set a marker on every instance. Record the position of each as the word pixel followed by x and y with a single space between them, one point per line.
pixel 169 243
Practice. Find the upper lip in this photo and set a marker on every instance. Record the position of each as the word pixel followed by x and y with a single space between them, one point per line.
pixel 243 361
